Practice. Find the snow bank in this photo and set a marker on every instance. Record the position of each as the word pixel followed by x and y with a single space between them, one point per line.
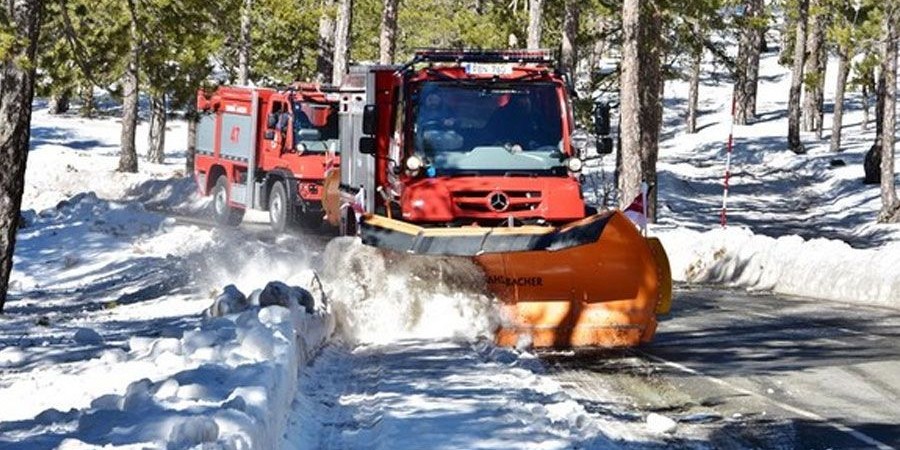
pixel 77 241
pixel 232 381
pixel 177 195
pixel 73 154
pixel 380 298
pixel 818 268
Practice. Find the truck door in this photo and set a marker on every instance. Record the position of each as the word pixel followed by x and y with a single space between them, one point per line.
pixel 278 121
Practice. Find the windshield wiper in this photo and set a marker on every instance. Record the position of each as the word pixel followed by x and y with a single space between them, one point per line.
pixel 521 174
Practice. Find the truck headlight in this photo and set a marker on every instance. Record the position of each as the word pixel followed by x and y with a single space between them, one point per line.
pixel 414 163
pixel 574 164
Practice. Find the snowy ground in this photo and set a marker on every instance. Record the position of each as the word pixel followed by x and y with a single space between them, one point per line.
pixel 797 224
pixel 104 340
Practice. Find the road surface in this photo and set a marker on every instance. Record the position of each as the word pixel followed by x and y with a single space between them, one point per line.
pixel 737 369
pixel 744 370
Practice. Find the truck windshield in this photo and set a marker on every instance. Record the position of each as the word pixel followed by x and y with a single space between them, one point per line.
pixel 495 128
pixel 315 125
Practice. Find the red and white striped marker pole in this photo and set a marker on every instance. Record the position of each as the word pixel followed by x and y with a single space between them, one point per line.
pixel 644 206
pixel 723 217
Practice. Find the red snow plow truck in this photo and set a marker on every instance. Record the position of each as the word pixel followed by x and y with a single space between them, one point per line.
pixel 464 154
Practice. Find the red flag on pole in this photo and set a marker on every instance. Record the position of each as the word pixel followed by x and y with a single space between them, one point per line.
pixel 637 210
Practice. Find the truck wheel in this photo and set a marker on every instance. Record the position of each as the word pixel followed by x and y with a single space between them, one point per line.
pixel 348 222
pixel 224 213
pixel 279 208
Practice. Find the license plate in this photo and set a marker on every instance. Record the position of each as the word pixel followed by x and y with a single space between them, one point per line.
pixel 488 69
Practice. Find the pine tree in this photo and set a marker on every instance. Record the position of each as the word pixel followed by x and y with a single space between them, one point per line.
pixel 388 41
pixel 342 41
pixel 535 24
pixel 20 22
pixel 800 21
pixel 890 206
pixel 630 104
pixel 245 43
pixel 568 46
pixel 752 24
pixel 814 70
pixel 325 42
pixel 128 161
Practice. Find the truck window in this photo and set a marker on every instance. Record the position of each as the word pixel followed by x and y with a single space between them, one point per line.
pixel 496 127
pixel 315 125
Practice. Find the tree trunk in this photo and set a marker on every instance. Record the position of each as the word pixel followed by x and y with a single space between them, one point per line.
pixel 820 87
pixel 245 44
pixel 837 119
pixel 890 208
pixel 629 171
pixel 325 43
pixel 694 90
pixel 651 100
pixel 87 101
pixel 342 41
pixel 879 107
pixel 753 63
pixel 59 103
pixel 865 101
pixel 794 142
pixel 569 58
pixel 192 118
pixel 872 161
pixel 814 42
pixel 388 41
pixel 157 152
pixel 22 17
pixel 747 70
pixel 788 36
pixel 128 161
pixel 535 8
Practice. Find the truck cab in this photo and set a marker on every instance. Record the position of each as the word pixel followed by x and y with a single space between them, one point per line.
pixel 465 138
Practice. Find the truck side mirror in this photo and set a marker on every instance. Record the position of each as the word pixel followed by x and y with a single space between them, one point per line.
pixel 367 145
pixel 309 134
pixel 370 119
pixel 602 124
pixel 604 145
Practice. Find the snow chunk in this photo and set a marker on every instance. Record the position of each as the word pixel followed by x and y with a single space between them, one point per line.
pixel 229 302
pixel 658 423
pixel 87 336
pixel 193 431
pixel 11 356
pixel 379 298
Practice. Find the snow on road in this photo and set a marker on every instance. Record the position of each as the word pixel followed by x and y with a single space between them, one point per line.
pixel 436 394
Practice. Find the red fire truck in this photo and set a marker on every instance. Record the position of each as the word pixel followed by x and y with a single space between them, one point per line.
pixel 266 149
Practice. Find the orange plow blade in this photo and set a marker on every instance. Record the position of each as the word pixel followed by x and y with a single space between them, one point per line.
pixel 595 282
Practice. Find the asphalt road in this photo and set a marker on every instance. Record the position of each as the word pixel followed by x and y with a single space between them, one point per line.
pixel 744 370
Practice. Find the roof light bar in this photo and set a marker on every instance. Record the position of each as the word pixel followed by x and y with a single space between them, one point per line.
pixel 542 56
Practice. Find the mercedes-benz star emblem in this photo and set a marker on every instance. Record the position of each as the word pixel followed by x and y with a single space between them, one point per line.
pixel 498 201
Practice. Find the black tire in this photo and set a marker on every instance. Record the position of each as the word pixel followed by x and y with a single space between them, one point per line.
pixel 348 222
pixel 280 210
pixel 223 213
